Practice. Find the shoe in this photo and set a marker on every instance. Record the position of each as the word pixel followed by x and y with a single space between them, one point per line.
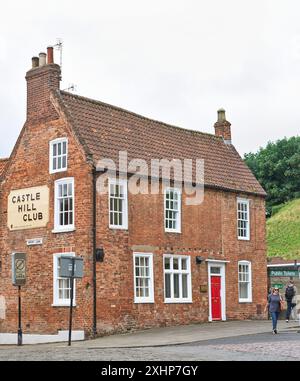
pixel 273 331
pixel 287 320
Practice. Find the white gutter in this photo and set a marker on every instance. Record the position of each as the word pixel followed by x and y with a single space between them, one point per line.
pixel 284 265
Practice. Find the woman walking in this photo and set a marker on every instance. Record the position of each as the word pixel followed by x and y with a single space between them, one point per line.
pixel 274 305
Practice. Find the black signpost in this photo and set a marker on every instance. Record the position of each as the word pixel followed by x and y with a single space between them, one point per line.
pixel 19 279
pixel 71 300
pixel 71 268
pixel 20 334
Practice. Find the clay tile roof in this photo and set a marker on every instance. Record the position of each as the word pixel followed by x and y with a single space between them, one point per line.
pixel 3 163
pixel 107 129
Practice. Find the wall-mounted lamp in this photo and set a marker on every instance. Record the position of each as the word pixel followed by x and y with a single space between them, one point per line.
pixel 99 255
pixel 199 260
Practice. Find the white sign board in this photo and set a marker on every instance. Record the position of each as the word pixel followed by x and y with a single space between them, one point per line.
pixel 28 208
pixel 34 241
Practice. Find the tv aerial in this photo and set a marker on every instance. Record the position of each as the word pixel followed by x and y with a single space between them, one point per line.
pixel 72 88
pixel 59 46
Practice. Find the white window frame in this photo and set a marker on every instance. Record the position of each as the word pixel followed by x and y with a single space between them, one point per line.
pixel 51 144
pixel 57 302
pixel 247 203
pixel 57 227
pixel 178 219
pixel 179 271
pixel 124 183
pixel 249 299
pixel 150 298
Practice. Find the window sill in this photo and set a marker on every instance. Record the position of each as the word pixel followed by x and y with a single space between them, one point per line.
pixel 178 301
pixel 118 227
pixel 62 305
pixel 52 172
pixel 172 231
pixel 243 239
pixel 143 302
pixel 245 301
pixel 67 230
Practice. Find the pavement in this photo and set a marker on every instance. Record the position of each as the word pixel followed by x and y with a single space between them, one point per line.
pixel 192 333
pixel 248 340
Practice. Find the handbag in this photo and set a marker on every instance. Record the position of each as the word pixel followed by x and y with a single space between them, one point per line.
pixel 281 305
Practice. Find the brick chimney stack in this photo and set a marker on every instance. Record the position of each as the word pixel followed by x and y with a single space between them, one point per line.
pixel 222 127
pixel 42 78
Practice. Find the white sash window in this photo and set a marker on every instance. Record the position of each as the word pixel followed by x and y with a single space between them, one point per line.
pixel 243 219
pixel 143 278
pixel 58 158
pixel 118 218
pixel 64 205
pixel 172 202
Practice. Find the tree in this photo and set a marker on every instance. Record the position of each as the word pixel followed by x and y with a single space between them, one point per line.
pixel 277 168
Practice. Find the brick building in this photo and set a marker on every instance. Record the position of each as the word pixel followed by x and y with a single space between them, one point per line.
pixel 165 262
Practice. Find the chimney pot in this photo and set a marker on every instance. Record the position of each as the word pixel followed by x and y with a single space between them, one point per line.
pixel 35 62
pixel 221 115
pixel 42 57
pixel 50 59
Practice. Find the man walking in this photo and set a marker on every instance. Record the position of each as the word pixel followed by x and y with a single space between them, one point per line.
pixel 290 296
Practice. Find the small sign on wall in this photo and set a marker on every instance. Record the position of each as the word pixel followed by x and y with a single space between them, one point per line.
pixel 203 288
pixel 34 241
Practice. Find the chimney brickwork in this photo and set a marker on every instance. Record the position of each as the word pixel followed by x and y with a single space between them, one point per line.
pixel 41 80
pixel 223 127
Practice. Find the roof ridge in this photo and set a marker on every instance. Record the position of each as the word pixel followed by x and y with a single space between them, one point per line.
pixel 139 115
pixel 4 158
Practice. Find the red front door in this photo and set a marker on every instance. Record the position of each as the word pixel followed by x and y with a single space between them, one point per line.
pixel 215 284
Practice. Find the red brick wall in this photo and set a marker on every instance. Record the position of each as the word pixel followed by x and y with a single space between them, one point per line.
pixel 208 230
pixel 29 168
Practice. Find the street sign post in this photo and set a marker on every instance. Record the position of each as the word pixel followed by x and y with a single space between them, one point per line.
pixel 66 264
pixel 18 269
pixel 19 279
pixel 71 267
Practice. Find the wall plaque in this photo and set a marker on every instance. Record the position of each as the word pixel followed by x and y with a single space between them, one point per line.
pixel 34 241
pixel 28 208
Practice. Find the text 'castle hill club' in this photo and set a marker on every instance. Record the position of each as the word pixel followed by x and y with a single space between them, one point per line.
pixel 26 198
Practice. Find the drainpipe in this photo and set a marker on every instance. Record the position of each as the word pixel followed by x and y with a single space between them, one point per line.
pixel 94 173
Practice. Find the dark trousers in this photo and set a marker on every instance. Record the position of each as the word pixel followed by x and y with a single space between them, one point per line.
pixel 274 316
pixel 290 306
